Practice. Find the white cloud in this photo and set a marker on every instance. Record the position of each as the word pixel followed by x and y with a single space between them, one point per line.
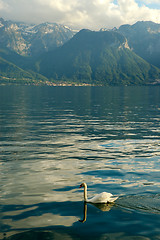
pixel 92 14
pixel 132 12
pixel 3 5
pixel 152 1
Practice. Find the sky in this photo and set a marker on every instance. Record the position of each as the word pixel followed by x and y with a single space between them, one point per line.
pixel 78 14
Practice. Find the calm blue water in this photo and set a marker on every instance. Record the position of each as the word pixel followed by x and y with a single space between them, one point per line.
pixel 54 138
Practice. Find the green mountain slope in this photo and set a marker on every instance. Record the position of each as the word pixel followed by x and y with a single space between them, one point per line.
pixel 23 62
pixel 97 58
pixel 9 72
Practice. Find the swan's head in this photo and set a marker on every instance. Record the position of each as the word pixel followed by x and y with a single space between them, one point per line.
pixel 83 185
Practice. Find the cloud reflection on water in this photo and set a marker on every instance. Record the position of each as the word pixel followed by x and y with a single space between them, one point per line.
pixel 131 158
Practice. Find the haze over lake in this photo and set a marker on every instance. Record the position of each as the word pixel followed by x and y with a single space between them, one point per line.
pixel 54 138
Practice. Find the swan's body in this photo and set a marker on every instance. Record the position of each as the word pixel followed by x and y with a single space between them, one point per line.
pixel 103 197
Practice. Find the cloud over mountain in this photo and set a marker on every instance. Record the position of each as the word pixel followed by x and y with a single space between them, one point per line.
pixel 92 14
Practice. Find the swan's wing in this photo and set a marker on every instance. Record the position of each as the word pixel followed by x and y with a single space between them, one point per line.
pixel 109 197
pixel 103 197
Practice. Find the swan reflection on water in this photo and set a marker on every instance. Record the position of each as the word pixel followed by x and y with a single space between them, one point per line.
pixel 105 207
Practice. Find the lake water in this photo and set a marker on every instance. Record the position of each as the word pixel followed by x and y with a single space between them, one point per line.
pixel 54 138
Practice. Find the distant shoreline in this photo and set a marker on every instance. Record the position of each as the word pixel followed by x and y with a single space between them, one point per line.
pixel 66 84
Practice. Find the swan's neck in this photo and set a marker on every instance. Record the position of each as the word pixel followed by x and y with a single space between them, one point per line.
pixel 85 193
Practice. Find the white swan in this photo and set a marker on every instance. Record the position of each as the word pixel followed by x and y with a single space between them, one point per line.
pixel 103 197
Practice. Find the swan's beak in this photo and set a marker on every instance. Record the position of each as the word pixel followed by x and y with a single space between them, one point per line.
pixel 80 186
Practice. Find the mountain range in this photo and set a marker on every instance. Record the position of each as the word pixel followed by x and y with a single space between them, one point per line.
pixel 30 40
pixel 54 53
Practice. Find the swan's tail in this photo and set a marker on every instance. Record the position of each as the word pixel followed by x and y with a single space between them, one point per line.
pixel 112 199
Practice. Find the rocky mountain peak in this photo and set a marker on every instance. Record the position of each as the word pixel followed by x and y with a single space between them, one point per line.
pixel 32 39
